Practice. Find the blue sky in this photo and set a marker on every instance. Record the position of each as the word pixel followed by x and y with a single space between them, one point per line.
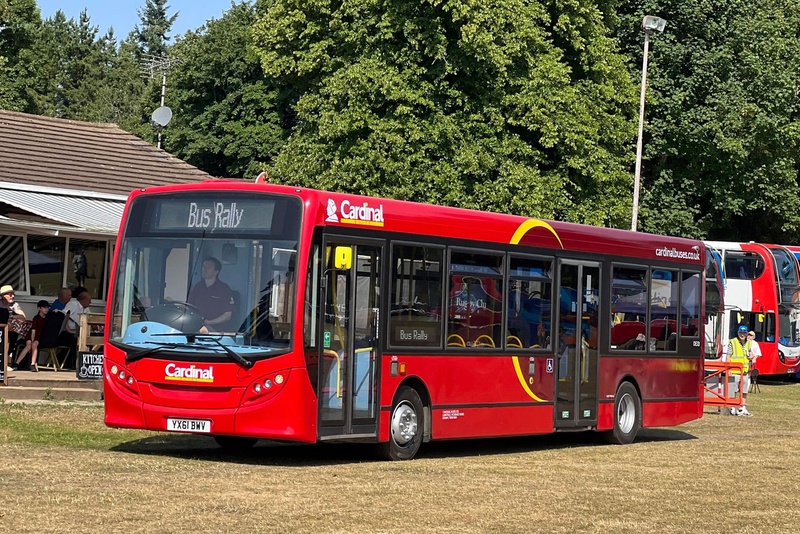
pixel 122 14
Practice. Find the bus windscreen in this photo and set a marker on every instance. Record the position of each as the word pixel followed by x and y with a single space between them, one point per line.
pixel 207 275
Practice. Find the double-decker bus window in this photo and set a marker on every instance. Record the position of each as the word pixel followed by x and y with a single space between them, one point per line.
pixel 741 265
pixel 530 288
pixel 416 299
pixel 629 301
pixel 763 324
pixel 788 327
pixel 664 304
pixel 475 300
pixel 787 269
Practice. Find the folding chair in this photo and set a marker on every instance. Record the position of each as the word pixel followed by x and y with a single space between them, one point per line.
pixel 754 381
pixel 49 345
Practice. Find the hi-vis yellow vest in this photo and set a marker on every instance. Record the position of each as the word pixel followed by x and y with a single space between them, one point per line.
pixel 739 354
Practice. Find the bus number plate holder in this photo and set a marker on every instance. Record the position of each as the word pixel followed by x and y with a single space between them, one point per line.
pixel 202 426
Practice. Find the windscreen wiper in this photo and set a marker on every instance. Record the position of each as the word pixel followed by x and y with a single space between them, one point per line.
pixel 190 336
pixel 235 356
pixel 134 356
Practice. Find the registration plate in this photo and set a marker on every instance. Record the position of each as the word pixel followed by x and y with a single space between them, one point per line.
pixel 202 426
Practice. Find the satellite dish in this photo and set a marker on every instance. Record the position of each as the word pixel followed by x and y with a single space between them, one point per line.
pixel 162 116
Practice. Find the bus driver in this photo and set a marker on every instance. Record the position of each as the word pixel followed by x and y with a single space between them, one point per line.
pixel 212 297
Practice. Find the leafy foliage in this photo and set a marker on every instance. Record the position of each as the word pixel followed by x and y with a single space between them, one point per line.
pixel 151 35
pixel 721 155
pixel 506 105
pixel 227 114
pixel 20 22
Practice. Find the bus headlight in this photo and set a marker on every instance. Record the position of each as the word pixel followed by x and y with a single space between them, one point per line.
pixel 265 387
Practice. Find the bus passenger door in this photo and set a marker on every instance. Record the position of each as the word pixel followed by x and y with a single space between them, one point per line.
pixel 348 359
pixel 577 354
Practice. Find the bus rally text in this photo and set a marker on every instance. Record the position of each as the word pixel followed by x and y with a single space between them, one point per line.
pixel 219 216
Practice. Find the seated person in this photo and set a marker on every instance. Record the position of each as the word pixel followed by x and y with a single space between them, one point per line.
pixel 64 296
pixel 34 334
pixel 69 337
pixel 212 297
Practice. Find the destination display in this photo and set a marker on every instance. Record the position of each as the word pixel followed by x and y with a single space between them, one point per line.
pixel 215 214
pixel 416 334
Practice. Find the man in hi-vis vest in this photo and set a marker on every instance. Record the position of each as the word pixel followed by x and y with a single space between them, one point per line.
pixel 738 351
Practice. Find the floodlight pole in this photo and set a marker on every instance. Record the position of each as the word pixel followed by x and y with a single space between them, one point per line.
pixel 638 171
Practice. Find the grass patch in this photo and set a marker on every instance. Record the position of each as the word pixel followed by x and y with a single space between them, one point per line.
pixel 58 425
pixel 61 470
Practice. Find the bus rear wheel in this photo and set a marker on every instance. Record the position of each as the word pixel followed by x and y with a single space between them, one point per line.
pixel 406 426
pixel 235 443
pixel 627 415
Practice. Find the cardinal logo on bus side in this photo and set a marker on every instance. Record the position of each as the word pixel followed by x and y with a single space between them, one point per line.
pixel 349 213
pixel 332 217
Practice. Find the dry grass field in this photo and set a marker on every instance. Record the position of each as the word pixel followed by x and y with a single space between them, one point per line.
pixel 61 470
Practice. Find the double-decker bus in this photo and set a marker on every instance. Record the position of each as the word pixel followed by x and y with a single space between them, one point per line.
pixel 761 291
pixel 395 323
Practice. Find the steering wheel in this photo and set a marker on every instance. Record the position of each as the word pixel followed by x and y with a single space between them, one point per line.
pixel 177 314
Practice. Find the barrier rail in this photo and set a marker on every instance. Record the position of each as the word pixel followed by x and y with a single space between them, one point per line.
pixel 719 384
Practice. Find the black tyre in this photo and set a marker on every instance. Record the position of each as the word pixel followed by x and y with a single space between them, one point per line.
pixel 235 443
pixel 627 415
pixel 407 426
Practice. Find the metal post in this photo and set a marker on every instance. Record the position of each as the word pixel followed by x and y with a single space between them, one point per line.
pixel 163 92
pixel 638 172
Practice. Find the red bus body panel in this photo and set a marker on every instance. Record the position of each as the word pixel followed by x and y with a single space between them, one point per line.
pixel 483 395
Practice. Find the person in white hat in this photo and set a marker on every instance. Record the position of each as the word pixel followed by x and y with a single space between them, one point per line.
pixel 7 302
pixel 8 308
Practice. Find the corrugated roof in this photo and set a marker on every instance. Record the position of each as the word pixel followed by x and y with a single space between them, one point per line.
pixel 44 151
pixel 82 213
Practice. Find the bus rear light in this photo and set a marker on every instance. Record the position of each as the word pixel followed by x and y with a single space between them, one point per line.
pixel 268 383
pixel 279 379
pixel 257 388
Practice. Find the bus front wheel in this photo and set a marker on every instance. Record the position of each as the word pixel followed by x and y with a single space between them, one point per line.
pixel 235 443
pixel 627 415
pixel 407 426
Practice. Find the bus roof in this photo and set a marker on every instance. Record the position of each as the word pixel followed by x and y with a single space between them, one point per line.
pixel 416 219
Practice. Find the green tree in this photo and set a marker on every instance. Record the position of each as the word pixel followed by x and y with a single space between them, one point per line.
pixel 721 150
pixel 152 34
pixel 226 114
pixel 67 71
pixel 20 21
pixel 507 105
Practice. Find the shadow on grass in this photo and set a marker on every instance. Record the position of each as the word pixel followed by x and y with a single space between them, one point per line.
pixel 294 454
pixel 778 380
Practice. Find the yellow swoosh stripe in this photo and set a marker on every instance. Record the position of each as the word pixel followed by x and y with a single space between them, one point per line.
pixel 523 229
